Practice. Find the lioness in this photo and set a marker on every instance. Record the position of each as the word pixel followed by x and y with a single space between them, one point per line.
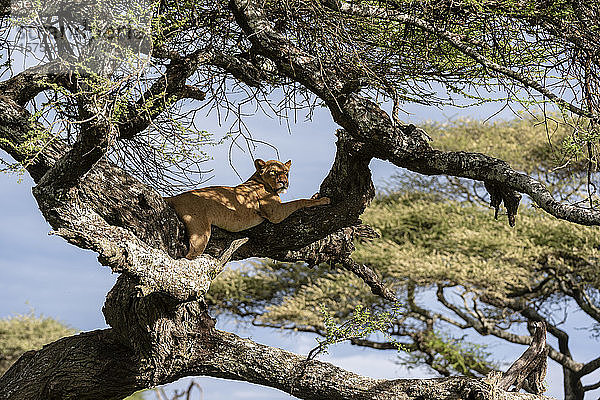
pixel 237 208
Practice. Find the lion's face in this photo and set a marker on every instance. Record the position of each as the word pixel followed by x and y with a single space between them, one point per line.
pixel 274 174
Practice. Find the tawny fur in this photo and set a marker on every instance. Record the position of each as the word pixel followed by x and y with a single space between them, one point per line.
pixel 238 208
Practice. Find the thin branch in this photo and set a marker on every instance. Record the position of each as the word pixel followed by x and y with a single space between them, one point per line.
pixel 459 42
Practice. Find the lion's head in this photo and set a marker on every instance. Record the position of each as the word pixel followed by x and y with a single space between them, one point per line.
pixel 274 174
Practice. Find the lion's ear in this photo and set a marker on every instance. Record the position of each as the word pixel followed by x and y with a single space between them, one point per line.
pixel 288 164
pixel 259 164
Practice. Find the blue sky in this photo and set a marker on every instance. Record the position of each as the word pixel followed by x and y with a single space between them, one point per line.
pixel 44 273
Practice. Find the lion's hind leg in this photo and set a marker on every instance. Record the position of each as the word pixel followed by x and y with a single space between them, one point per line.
pixel 199 233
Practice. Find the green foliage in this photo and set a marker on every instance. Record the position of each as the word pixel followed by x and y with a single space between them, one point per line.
pixel 362 324
pixel 576 145
pixel 451 354
pixel 119 83
pixel 21 333
pixel 427 242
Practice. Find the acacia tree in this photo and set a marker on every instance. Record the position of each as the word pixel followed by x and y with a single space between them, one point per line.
pixel 94 119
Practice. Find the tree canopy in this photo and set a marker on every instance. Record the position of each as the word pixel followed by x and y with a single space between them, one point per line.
pixel 102 104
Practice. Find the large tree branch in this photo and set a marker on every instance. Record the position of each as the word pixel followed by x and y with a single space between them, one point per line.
pixel 484 168
pixel 96 365
pixel 531 366
pixel 405 146
pixel 127 222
